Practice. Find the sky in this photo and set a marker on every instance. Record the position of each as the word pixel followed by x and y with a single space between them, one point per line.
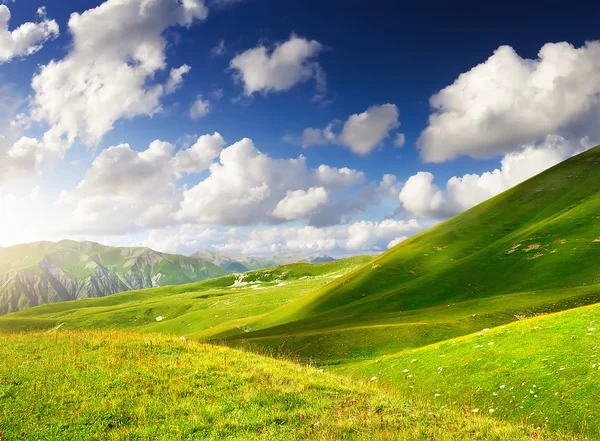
pixel 281 126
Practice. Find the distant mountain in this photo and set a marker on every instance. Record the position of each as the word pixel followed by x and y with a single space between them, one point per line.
pixel 239 263
pixel 47 272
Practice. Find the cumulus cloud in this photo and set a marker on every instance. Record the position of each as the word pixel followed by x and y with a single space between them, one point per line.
pixel 298 204
pixel 27 39
pixel 246 186
pixel 508 101
pixel 365 131
pixel 400 140
pixel 126 190
pixel 200 155
pixel 338 178
pixel 108 73
pixel 200 108
pixel 263 70
pixel 421 197
pixel 363 237
pixel 361 133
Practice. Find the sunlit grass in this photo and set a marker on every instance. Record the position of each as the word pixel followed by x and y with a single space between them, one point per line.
pixel 127 386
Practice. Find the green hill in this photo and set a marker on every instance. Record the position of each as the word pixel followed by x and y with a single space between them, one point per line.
pixel 527 251
pixel 117 386
pixel 46 272
pixel 545 371
pixel 199 310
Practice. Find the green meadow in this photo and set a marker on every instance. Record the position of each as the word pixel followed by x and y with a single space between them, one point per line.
pixel 111 385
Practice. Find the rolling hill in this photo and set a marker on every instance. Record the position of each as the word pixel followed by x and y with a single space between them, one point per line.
pixel 46 272
pixel 198 310
pixel 527 251
pixel 117 385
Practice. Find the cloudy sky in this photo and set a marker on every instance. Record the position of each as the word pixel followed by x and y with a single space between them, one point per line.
pixel 268 126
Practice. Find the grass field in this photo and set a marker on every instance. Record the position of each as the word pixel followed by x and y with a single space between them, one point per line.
pixel 544 370
pixel 128 386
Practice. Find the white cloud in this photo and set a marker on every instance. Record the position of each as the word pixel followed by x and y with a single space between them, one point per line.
pixel 279 69
pixel 400 140
pixel 338 178
pixel 27 38
pixel 361 133
pixel 176 78
pixel 299 204
pixel 246 186
pixel 508 101
pixel 108 73
pixel 126 190
pixel 356 238
pixel 421 197
pixel 200 108
pixel 200 155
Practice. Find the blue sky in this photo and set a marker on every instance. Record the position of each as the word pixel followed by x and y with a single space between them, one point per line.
pixel 361 58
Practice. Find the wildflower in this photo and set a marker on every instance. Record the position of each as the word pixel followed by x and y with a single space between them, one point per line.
pixel 405 371
pixel 373 378
pixel 436 395
pixel 503 386
pixel 491 410
pixel 301 416
pixel 475 410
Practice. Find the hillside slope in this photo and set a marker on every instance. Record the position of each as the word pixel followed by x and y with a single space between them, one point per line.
pixel 110 385
pixel 46 272
pixel 529 250
pixel 544 370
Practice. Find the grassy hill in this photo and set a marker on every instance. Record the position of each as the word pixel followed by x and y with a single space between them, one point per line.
pixel 545 371
pixel 198 310
pixel 526 251
pixel 46 272
pixel 115 386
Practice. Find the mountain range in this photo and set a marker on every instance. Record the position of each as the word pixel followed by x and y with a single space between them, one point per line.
pixel 239 263
pixel 47 272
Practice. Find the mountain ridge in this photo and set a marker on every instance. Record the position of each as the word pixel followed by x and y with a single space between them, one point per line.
pixel 46 272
